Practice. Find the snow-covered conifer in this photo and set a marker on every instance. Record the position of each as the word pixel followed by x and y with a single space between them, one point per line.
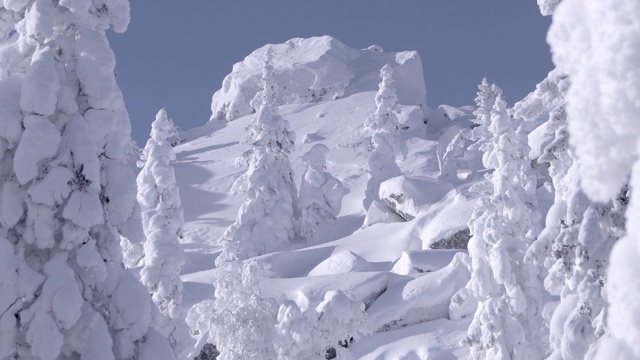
pixel 453 158
pixel 385 137
pixel 266 221
pixel 322 332
pixel 162 219
pixel 320 193
pixel 502 226
pixel 547 7
pixel 485 101
pixel 586 37
pixel 295 333
pixel 574 246
pixel 340 321
pixel 68 193
pixel 243 324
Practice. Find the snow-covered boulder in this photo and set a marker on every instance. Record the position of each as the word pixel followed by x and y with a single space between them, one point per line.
pixel 340 263
pixel 380 213
pixel 407 195
pixel 422 299
pixel 416 263
pixel 315 70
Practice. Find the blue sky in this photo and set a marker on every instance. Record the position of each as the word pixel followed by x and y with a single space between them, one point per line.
pixel 175 56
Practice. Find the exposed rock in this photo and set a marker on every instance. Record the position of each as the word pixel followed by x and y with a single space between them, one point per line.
pixel 459 240
pixel 406 196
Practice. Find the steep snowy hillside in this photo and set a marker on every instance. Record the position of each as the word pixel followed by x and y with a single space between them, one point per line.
pixel 396 267
pixel 316 70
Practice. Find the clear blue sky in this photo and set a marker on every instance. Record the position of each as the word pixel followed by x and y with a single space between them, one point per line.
pixel 175 54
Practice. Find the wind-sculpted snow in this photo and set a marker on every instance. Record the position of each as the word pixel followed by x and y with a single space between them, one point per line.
pixel 315 70
pixel 422 299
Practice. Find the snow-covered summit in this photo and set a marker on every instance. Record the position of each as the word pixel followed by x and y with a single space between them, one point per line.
pixel 315 70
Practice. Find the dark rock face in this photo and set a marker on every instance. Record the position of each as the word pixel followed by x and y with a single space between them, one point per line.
pixel 458 240
pixel 208 352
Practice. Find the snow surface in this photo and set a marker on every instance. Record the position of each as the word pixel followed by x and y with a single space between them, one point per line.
pixel 390 266
pixel 315 70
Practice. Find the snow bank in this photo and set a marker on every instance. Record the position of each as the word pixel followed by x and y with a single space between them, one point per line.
pixel 437 339
pixel 416 263
pixel 407 195
pixel 440 224
pixel 317 69
pixel 340 263
pixel 419 300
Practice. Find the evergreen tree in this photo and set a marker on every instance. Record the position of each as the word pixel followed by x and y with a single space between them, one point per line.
pixel 385 138
pixel 162 218
pixel 243 324
pixel 485 101
pixel 68 193
pixel 502 226
pixel 602 108
pixel 320 193
pixel 266 221
pixel 453 158
pixel 574 246
pixel 322 332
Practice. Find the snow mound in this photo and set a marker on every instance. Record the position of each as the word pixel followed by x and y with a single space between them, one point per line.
pixel 407 195
pixel 315 70
pixel 416 263
pixel 340 263
pixel 443 223
pixel 379 213
pixel 422 299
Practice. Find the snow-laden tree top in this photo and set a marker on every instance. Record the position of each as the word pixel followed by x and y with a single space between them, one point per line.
pixel 314 70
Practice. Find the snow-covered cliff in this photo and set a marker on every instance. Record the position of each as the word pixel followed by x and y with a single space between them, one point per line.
pixel 315 70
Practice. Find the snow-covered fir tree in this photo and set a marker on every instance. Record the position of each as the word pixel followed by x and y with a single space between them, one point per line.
pixel 602 110
pixel 386 140
pixel 323 332
pixel 240 322
pixel 574 246
pixel 266 221
pixel 485 101
pixel 320 193
pixel 244 321
pixel 502 226
pixel 547 7
pixel 162 219
pixel 453 158
pixel 68 193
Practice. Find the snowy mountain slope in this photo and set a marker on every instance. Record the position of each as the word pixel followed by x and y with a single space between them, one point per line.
pixel 343 256
pixel 314 70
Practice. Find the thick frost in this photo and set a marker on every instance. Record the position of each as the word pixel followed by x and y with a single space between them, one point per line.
pixel 39 141
pixel 596 44
pixel 62 207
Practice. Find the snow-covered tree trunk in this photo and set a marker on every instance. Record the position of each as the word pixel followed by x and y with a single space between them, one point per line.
pixel 597 44
pixel 320 193
pixel 159 197
pixel 266 221
pixel 385 138
pixel 503 224
pixel 68 193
